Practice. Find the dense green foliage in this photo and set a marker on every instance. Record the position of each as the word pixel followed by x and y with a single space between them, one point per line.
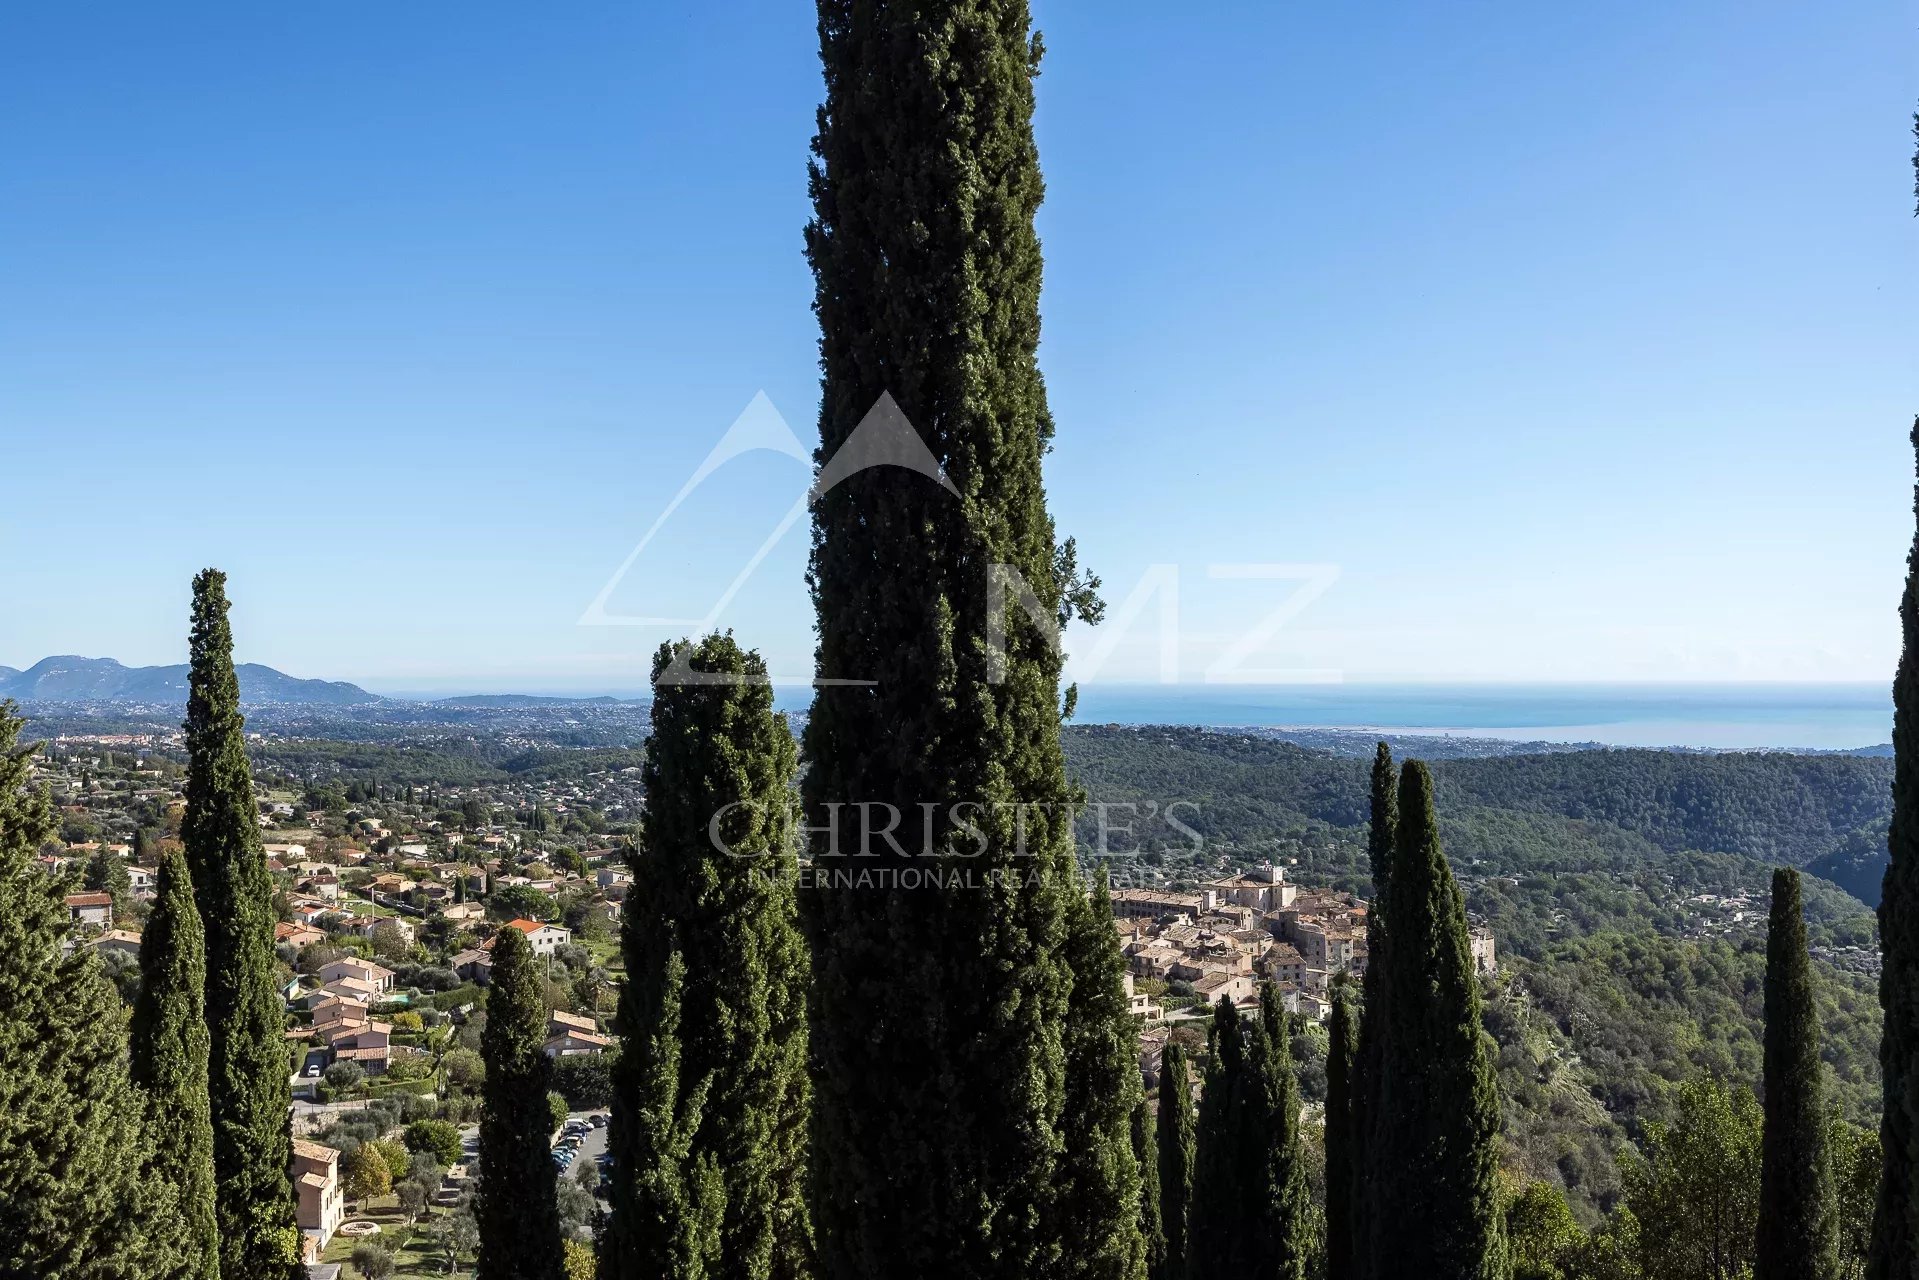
pixel 1604 813
pixel 1146 1158
pixel 1251 1209
pixel 1363 1106
pixel 1797 1224
pixel 669 1204
pixel 517 1210
pixel 713 885
pixel 444 762
pixel 1596 1037
pixel 1342 1185
pixel 170 1046
pixel 74 1139
pixel 940 1068
pixel 1432 1149
pixel 1895 1244
pixel 1177 1152
pixel 1095 1205
pixel 247 1059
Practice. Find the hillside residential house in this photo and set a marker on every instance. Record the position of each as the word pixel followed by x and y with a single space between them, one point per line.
pixel 90 908
pixel 143 881
pixel 546 938
pixel 125 941
pixel 375 976
pixel 473 966
pixel 297 936
pixel 316 1177
pixel 571 1043
pixel 353 989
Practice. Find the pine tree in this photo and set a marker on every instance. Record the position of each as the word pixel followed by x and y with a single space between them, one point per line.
pixel 1146 1156
pixel 170 1047
pixel 934 745
pixel 74 1138
pixel 1434 1212
pixel 1381 839
pixel 1341 1182
pixel 720 900
pixel 1895 1223
pixel 1797 1234
pixel 1095 1210
pixel 247 1067
pixel 518 1209
pixel 1177 1141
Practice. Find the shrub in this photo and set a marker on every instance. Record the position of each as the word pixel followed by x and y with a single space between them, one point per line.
pixel 372 1260
pixel 344 1075
pixel 437 1136
pixel 585 1080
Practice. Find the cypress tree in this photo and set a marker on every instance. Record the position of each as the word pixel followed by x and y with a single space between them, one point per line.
pixel 1434 1212
pixel 1177 1141
pixel 1215 1230
pixel 1381 839
pixel 518 1209
pixel 715 920
pixel 933 745
pixel 669 1204
pixel 1251 1212
pixel 1895 1222
pixel 1341 1180
pixel 1146 1156
pixel 74 1137
pixel 1096 1208
pixel 247 1065
pixel 1280 1202
pixel 1798 1216
pixel 170 1045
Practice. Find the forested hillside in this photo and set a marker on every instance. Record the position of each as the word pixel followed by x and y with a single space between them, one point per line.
pixel 1627 891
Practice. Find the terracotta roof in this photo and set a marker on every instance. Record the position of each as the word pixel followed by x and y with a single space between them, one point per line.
pixel 314 1151
pixel 89 899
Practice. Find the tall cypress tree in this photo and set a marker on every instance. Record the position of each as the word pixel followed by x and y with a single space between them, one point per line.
pixel 1177 1141
pixel 247 1066
pixel 518 1209
pixel 74 1137
pixel 1280 1202
pixel 1095 1211
pixel 1434 1211
pixel 1895 1222
pixel 1146 1156
pixel 170 1046
pixel 1216 1230
pixel 715 918
pixel 1798 1216
pixel 669 1205
pixel 1251 1212
pixel 1381 840
pixel 938 1026
pixel 1341 1181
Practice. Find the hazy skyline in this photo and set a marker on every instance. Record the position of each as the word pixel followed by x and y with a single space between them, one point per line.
pixel 1576 342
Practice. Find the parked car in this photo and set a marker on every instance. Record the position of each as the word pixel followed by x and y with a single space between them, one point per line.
pixel 597 1119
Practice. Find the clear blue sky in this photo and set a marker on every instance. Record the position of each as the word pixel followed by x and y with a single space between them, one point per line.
pixel 1580 338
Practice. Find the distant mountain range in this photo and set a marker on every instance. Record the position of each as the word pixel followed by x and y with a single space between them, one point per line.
pixel 102 680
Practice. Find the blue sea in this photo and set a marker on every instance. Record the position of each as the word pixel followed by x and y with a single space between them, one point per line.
pixel 1824 717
